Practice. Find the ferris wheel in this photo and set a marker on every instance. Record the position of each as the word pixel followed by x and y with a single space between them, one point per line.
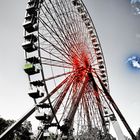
pixel 65 63
pixel 67 72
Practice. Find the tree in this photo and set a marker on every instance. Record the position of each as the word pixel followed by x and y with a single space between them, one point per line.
pixel 23 132
pixel 4 124
pixel 95 134
pixel 138 134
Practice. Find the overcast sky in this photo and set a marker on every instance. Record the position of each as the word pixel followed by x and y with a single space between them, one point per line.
pixel 119 33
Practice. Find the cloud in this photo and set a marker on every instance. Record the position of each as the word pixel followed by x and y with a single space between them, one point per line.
pixel 135 64
pixel 134 1
pixel 135 61
pixel 132 58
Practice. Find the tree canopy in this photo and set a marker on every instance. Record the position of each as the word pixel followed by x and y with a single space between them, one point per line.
pixel 23 132
pixel 138 134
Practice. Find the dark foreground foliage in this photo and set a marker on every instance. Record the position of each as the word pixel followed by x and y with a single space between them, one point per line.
pixel 23 132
